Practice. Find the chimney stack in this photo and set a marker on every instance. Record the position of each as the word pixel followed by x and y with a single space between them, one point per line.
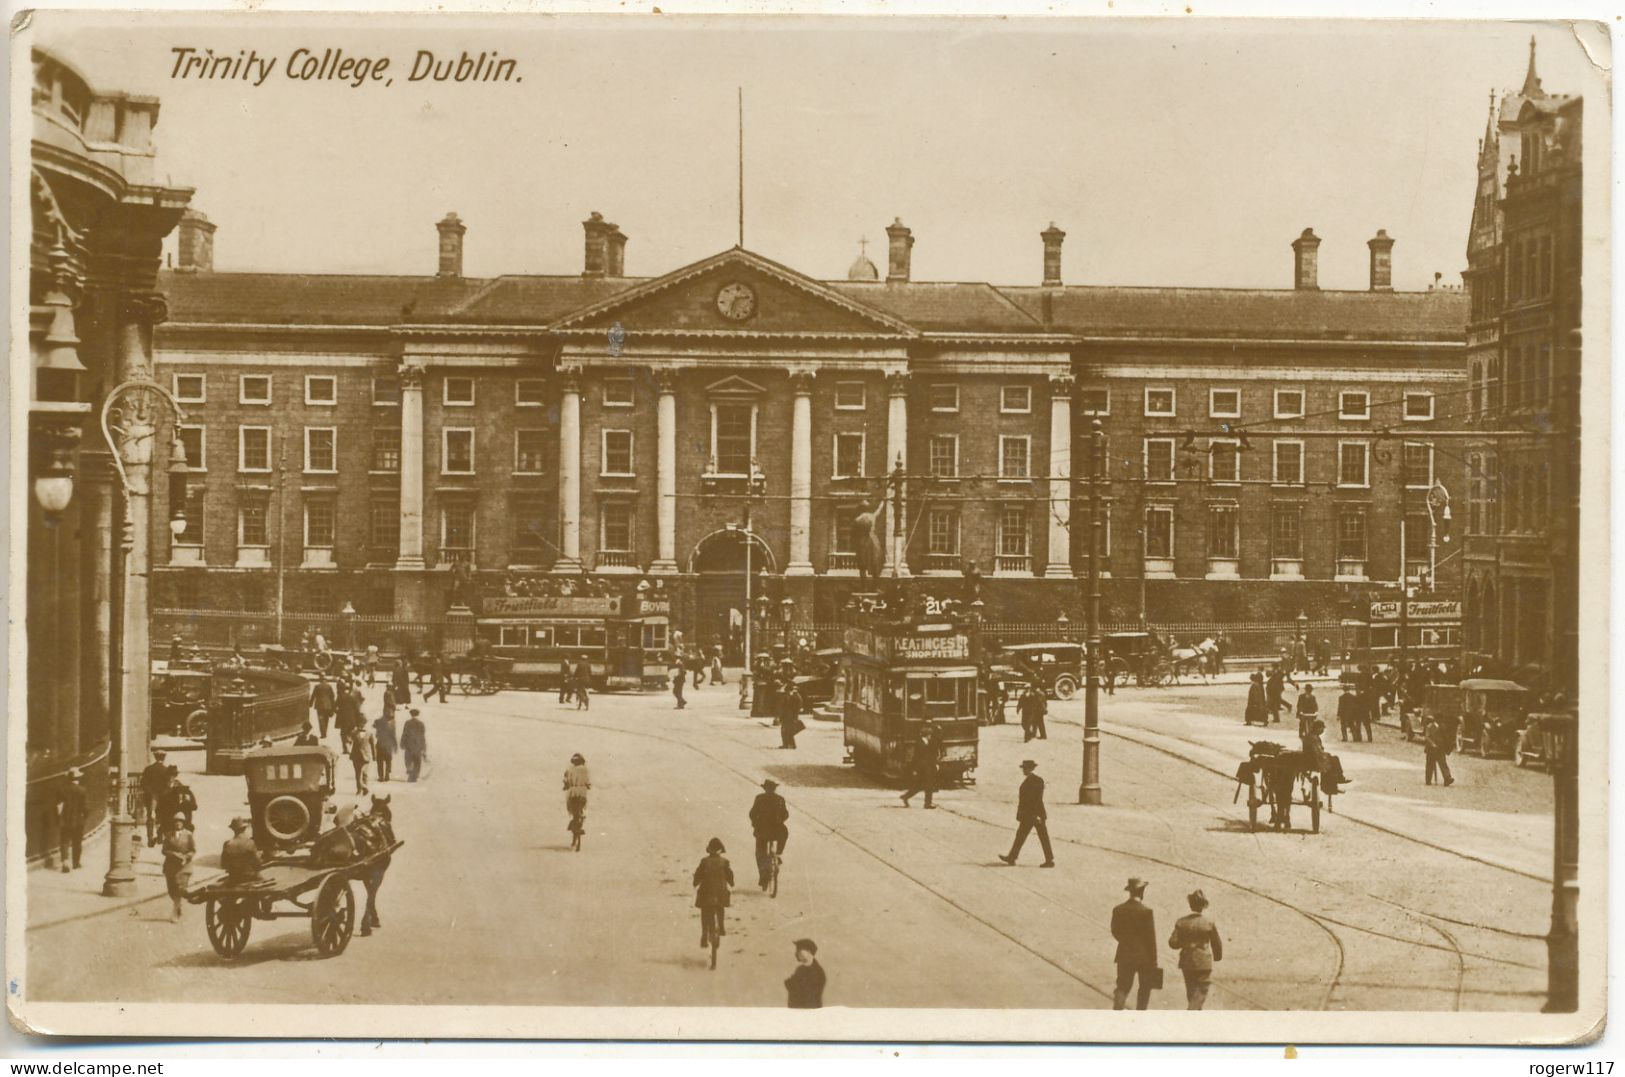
pixel 597 230
pixel 615 252
pixel 1305 259
pixel 1382 261
pixel 1052 237
pixel 902 245
pixel 195 243
pixel 451 246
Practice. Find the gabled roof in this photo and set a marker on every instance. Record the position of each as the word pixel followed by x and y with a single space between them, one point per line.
pixel 310 299
pixel 736 257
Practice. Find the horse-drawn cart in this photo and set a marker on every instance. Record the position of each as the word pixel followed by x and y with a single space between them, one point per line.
pixel 1278 778
pixel 316 891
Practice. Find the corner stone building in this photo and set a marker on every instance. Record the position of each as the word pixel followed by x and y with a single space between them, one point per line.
pixel 365 434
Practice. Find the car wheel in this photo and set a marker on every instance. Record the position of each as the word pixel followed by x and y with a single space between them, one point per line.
pixel 1065 687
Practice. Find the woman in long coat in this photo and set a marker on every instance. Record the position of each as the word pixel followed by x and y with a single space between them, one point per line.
pixel 713 882
pixel 179 849
pixel 1257 712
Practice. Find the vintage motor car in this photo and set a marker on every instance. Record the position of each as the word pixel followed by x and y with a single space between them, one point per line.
pixel 180 702
pixel 1057 668
pixel 288 789
pixel 1493 713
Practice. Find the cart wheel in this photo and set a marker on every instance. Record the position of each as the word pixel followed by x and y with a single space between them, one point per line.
pixel 333 917
pixel 1252 808
pixel 228 921
pixel 468 685
pixel 1065 687
pixel 1314 803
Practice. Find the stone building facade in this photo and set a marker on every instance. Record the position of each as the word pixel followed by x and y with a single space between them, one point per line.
pixel 365 434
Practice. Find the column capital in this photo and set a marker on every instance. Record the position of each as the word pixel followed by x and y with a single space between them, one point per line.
pixel 665 380
pixel 569 375
pixel 411 375
pixel 897 383
pixel 146 308
pixel 801 382
pixel 1061 385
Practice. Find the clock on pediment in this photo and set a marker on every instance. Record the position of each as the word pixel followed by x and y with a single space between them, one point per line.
pixel 736 301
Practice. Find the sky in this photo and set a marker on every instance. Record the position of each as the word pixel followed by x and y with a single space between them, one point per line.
pixel 1172 152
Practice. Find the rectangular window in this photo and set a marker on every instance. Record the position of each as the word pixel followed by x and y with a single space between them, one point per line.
pixel 321 389
pixel 1286 532
pixel 386 392
pixel 655 637
pixel 945 456
pixel 944 533
pixel 733 438
pixel 617 452
pixel 1223 531
pixel 1418 465
pixel 251 523
pixel 254 389
pixel 618 393
pixel 844 541
pixel 528 392
pixel 253 448
pixel 849 396
pixel 319 524
pixel 190 388
pixel 1159 532
pixel 321 449
pixel 944 396
pixel 457 529
pixel 1224 461
pixel 1289 403
pixel 1418 406
pixel 1013 531
pixel 1351 533
pixel 386 448
pixel 528 448
pixel 616 527
pixel 1159 403
pixel 848 455
pixel 1094 402
pixel 1352 460
pixel 1015 399
pixel 1159 459
pixel 1289 463
pixel 513 636
pixel 384 529
pixel 194 441
pixel 1354 404
pixel 192 508
pixel 458 392
pixel 530 523
pixel 1224 403
pixel 456 451
pixel 1013 456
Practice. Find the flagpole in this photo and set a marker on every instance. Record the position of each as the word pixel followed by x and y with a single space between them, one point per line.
pixel 741 166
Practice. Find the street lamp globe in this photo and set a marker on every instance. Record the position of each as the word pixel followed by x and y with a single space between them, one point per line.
pixel 177 523
pixel 53 492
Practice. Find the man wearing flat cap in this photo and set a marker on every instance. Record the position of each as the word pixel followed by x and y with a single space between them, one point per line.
pixel 1030 816
pixel 1197 940
pixel 806 983
pixel 769 816
pixel 1135 929
pixel 240 857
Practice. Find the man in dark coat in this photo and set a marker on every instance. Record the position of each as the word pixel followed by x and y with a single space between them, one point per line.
pixel 924 767
pixel 239 856
pixel 1030 816
pixel 401 682
pixel 1367 711
pixel 414 744
pixel 70 820
pixel 1257 713
pixel 678 679
pixel 713 883
pixel 349 716
pixel 1436 745
pixel 177 799
pixel 583 683
pixel 1348 713
pixel 769 819
pixel 806 983
pixel 384 744
pixel 154 780
pixel 1033 706
pixel 790 722
pixel 439 679
pixel 324 701
pixel 1134 927
pixel 306 737
pixel 1274 689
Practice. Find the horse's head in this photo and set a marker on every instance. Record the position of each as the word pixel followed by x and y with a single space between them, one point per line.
pixel 380 807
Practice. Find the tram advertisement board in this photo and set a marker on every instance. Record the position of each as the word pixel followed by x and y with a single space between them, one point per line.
pixel 1427 610
pixel 568 605
pixel 908 647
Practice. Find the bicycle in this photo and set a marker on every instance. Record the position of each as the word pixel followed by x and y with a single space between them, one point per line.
pixel 774 860
pixel 710 935
pixel 578 821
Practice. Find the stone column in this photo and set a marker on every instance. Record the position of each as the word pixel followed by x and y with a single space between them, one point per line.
pixel 801 477
pixel 897 463
pixel 569 470
pixel 411 552
pixel 1060 477
pixel 666 472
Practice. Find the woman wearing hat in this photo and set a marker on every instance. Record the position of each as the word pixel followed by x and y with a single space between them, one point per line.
pixel 179 849
pixel 713 883
pixel 1197 940
pixel 1257 712
pixel 576 783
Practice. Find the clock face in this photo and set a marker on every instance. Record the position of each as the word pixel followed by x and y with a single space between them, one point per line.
pixel 736 301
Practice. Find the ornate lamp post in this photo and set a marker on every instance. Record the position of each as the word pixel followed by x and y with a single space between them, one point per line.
pixel 129 425
pixel 755 487
pixel 1089 787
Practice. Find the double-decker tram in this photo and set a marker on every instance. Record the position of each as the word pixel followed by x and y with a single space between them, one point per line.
pixel 545 636
pixel 906 675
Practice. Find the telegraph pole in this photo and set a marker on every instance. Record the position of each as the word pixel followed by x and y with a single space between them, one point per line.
pixel 1089 788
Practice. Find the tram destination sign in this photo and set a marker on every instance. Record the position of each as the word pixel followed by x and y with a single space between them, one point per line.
pixel 568 605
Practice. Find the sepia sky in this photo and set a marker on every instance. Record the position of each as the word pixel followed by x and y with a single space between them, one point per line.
pixel 1172 153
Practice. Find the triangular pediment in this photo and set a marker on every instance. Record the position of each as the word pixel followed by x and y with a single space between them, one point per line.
pixel 735 292
pixel 734 385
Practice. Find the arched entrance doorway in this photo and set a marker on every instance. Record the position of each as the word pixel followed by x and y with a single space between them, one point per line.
pixel 718 564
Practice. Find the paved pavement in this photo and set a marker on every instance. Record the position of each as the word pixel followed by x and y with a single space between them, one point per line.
pixel 487 904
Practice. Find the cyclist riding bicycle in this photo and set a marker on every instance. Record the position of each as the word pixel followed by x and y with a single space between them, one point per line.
pixel 768 816
pixel 576 783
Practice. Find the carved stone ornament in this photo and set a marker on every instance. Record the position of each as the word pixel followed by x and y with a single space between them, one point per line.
pixel 897 383
pixel 411 377
pixel 801 382
pixel 1061 385
pixel 570 378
